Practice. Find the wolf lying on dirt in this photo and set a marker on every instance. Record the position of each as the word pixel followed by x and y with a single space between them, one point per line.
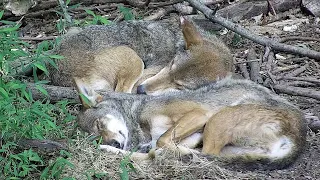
pixel 208 61
pixel 235 118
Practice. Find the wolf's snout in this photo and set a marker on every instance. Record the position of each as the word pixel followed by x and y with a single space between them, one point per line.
pixel 115 144
pixel 141 89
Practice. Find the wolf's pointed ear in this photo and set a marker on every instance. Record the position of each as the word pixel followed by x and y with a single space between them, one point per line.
pixel 182 20
pixel 88 96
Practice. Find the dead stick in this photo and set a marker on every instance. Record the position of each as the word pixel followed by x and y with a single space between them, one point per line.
pixel 286 68
pixel 159 13
pixel 297 91
pixel 37 38
pixel 250 35
pixel 312 80
pixel 56 93
pixel 298 38
pixel 254 66
pixel 300 83
pixel 138 4
pixel 297 71
pixel 244 70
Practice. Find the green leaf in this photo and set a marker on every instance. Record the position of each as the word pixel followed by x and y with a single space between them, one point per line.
pixel 1 13
pixel 8 22
pixel 41 67
pixel 85 99
pixel 103 20
pixel 126 12
pixel 42 90
pixel 10 29
pixel 56 56
pixel 53 125
pixel 67 2
pixel 4 93
pixel 74 6
pixel 52 63
pixel 90 12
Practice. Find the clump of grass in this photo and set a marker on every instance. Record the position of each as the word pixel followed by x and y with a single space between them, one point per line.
pixel 23 117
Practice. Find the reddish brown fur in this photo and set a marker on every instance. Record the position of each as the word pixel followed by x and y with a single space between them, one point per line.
pixel 207 61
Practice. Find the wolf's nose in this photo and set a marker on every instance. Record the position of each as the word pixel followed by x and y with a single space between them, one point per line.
pixel 141 89
pixel 115 144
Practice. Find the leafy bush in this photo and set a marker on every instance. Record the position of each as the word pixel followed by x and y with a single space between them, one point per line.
pixel 20 115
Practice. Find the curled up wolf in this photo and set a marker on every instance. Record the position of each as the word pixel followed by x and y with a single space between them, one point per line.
pixel 224 117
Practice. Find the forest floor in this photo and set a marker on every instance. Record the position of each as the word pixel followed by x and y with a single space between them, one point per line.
pixel 87 159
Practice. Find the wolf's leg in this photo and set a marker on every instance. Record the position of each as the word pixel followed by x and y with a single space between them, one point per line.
pixel 133 155
pixel 188 124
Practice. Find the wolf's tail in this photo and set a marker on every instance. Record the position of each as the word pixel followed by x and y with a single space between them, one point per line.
pixel 280 154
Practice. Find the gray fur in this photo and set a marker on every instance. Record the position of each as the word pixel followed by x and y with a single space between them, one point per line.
pixel 156 42
pixel 216 96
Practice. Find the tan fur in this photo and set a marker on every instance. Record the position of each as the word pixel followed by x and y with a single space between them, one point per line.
pixel 249 125
pixel 207 61
pixel 239 118
pixel 147 73
pixel 112 69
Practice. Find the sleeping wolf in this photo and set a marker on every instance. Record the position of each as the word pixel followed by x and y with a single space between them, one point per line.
pixel 207 60
pixel 235 118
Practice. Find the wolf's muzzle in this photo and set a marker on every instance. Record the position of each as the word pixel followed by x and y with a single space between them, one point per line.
pixel 141 89
pixel 115 144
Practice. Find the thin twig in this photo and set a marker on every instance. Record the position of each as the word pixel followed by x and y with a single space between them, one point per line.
pixel 270 6
pixel 250 35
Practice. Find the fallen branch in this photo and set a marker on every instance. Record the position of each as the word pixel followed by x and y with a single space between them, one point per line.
pixel 37 38
pixel 298 71
pixel 297 91
pixel 55 93
pixel 42 145
pixel 58 93
pixel 312 80
pixel 295 60
pixel 160 13
pixel 254 66
pixel 244 70
pixel 285 68
pixel 250 35
pixel 300 84
pixel 138 4
pixel 298 38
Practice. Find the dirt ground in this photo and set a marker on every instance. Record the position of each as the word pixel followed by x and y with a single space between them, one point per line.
pixel 86 157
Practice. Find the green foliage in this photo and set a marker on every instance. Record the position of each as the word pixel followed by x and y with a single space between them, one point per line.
pixel 126 167
pixel 23 117
pixel 54 170
pixel 20 164
pixel 236 40
pixel 127 13
pixel 97 19
pixel 93 174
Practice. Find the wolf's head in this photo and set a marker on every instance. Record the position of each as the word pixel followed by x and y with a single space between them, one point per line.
pixel 102 117
pixel 204 62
